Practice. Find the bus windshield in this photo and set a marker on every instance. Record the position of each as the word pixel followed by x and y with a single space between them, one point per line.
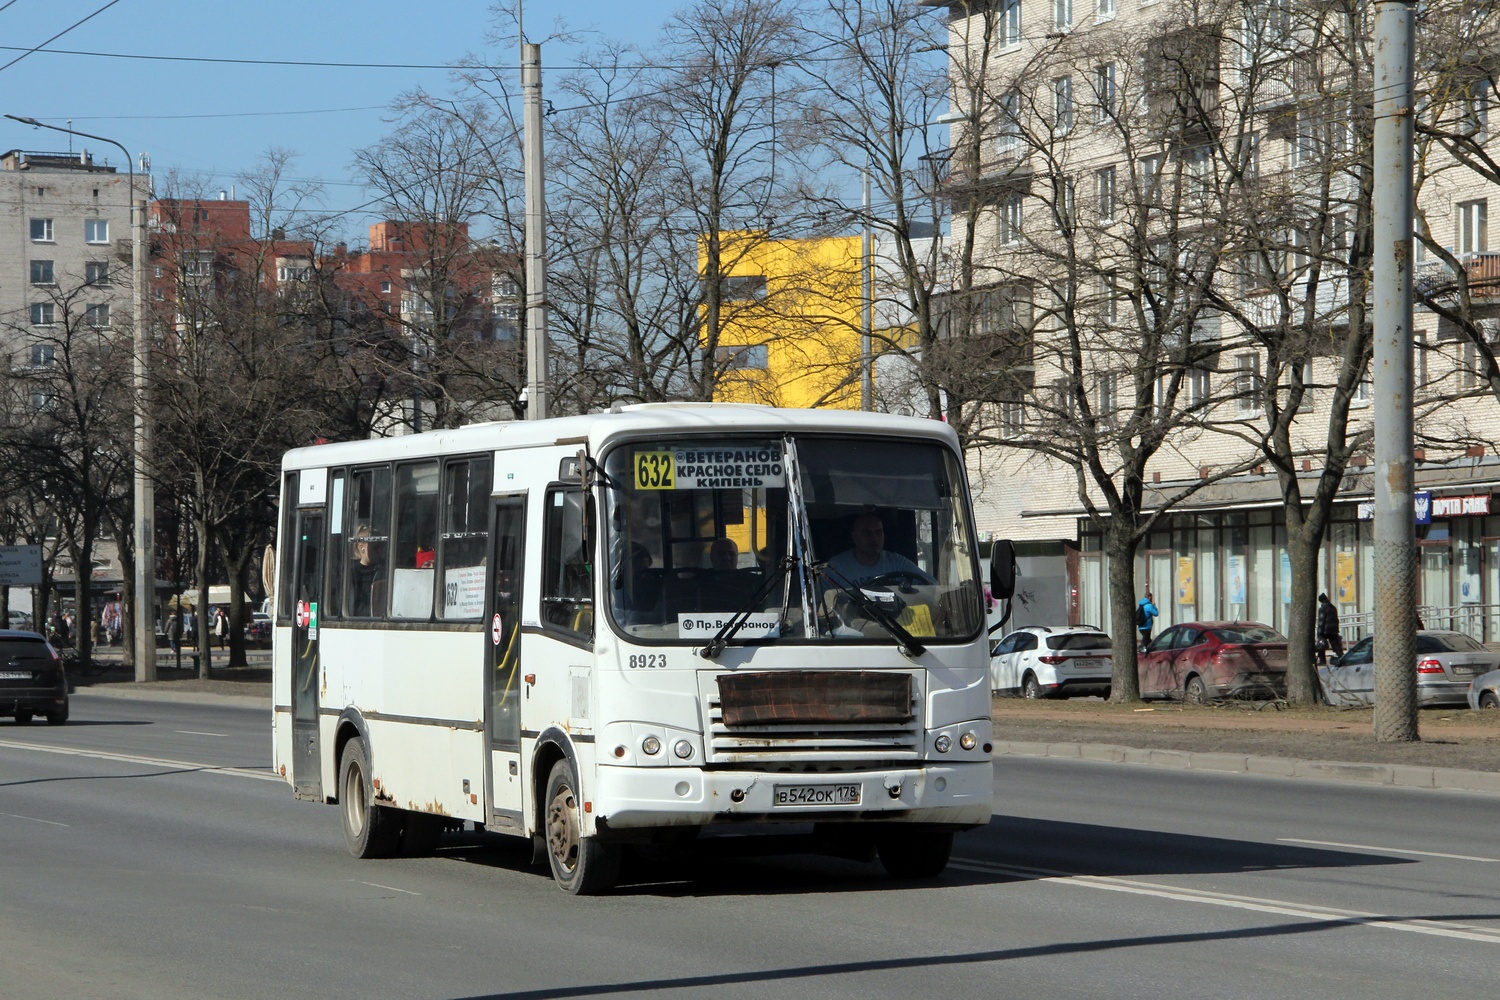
pixel 806 537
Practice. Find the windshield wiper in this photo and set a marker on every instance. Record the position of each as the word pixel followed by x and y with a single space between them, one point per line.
pixel 737 621
pixel 907 643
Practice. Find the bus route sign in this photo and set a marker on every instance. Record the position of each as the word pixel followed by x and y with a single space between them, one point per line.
pixel 711 468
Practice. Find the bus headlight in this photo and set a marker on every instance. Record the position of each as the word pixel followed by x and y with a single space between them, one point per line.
pixel 968 741
pixel 943 743
pixel 683 749
pixel 651 746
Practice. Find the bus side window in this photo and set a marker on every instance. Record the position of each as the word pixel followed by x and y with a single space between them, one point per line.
pixel 567 573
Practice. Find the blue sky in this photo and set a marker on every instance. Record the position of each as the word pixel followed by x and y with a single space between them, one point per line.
pixel 215 119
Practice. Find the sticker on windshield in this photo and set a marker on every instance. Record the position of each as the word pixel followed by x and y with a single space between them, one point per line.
pixel 710 468
pixel 760 625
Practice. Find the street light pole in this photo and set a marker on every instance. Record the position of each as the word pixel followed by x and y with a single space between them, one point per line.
pixel 145 495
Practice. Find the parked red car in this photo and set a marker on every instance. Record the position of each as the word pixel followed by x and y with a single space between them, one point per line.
pixel 1202 661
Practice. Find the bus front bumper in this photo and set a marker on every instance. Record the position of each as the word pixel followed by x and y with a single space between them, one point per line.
pixel 652 797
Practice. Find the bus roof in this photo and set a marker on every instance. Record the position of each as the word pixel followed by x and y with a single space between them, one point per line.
pixel 598 429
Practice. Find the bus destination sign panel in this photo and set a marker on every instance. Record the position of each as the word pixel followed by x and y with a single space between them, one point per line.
pixel 711 468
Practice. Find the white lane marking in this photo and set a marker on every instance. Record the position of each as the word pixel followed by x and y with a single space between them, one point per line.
pixel 176 765
pixel 1387 850
pixel 392 888
pixel 33 819
pixel 1111 883
pixel 192 732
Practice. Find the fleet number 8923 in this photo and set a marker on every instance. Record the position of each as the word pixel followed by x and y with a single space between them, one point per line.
pixel 647 661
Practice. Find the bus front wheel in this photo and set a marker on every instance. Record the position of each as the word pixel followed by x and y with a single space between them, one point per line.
pixel 914 853
pixel 581 865
pixel 370 830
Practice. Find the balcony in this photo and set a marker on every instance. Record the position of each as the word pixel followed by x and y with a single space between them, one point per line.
pixel 1435 281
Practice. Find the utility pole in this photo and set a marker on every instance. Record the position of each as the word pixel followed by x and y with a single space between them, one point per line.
pixel 1395 542
pixel 537 386
pixel 867 308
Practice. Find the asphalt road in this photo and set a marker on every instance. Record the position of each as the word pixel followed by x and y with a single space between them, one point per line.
pixel 147 852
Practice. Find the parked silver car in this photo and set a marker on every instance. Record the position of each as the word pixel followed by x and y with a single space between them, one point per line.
pixel 1446 664
pixel 1042 662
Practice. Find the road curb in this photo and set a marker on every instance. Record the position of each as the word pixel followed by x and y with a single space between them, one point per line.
pixel 127 693
pixel 1349 772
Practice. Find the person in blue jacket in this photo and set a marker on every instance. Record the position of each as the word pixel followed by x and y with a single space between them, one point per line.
pixel 1145 617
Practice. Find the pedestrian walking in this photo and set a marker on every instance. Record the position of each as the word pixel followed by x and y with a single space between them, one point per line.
pixel 174 631
pixel 1327 630
pixel 221 627
pixel 1145 617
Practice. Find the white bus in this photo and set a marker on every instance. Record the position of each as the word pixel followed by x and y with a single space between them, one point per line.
pixel 620 628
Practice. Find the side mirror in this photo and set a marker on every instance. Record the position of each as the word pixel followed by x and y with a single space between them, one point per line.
pixel 1003 569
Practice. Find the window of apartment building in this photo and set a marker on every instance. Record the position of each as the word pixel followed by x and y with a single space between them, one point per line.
pixel 42 400
pixel 41 230
pixel 1468 376
pixel 743 357
pixel 1267 30
pixel 1109 296
pixel 96 272
pixel 293 272
pixel 1012 419
pixel 97 316
pixel 1067 198
pixel 1247 384
pixel 43 314
pixel 1010 219
pixel 1471 229
pixel 385 286
pixel 1200 173
pixel 1062 15
pixel 43 355
pixel 1010 22
pixel 744 287
pixel 1008 135
pixel 1150 168
pixel 198 266
pixel 1105 91
pixel 1062 391
pixel 1196 387
pixel 1109 395
pixel 1104 193
pixel 1474 111
pixel 1062 104
pixel 41 273
pixel 96 230
pixel 1104 8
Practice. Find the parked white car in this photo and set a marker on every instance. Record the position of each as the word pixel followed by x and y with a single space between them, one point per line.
pixel 1058 662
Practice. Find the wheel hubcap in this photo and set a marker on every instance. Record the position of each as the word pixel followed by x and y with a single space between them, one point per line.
pixel 354 800
pixel 562 828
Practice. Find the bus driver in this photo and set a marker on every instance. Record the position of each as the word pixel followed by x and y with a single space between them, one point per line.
pixel 868 558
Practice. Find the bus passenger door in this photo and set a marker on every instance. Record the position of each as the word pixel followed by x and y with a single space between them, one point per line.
pixel 503 663
pixel 308 592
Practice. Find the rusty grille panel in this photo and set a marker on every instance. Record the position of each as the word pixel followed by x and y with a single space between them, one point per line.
pixel 788 716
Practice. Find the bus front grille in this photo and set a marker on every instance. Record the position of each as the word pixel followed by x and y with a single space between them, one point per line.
pixel 788 716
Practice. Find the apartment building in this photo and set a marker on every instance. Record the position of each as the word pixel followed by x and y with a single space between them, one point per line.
pixel 1169 204
pixel 68 219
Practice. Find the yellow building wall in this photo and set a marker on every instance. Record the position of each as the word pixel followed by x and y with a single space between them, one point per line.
pixel 808 319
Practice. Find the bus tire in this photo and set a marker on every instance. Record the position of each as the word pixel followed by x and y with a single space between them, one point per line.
pixel 582 866
pixel 909 854
pixel 370 830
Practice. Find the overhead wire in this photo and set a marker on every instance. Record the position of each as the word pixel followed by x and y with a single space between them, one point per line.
pixel 55 37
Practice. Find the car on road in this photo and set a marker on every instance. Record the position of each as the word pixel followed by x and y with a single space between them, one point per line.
pixel 20 621
pixel 1056 662
pixel 33 680
pixel 1446 663
pixel 258 629
pixel 1204 661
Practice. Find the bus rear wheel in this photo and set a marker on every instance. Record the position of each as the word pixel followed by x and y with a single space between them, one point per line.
pixel 581 865
pixel 370 830
pixel 914 853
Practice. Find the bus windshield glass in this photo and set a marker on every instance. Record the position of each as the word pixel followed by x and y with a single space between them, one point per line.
pixel 805 538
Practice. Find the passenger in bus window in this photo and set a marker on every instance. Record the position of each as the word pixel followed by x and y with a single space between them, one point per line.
pixel 365 572
pixel 724 554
